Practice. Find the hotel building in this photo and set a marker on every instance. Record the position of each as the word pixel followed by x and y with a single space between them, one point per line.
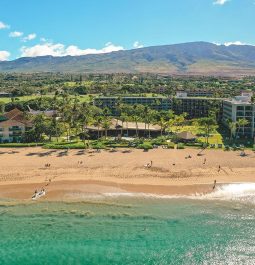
pixel 13 126
pixel 241 107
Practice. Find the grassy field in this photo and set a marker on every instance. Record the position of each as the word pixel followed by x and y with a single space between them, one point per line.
pixel 215 138
pixel 24 98
pixel 82 98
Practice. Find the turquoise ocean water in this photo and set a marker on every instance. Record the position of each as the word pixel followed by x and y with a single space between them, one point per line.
pixel 128 230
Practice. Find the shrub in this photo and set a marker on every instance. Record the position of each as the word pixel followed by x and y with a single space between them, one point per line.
pixel 180 146
pixel 145 146
pixel 170 145
pixel 65 146
pixel 227 148
pixel 158 141
pixel 98 145
pixel 15 145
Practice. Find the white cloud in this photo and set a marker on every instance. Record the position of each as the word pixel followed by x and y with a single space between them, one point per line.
pixel 15 34
pixel 137 45
pixel 220 2
pixel 238 43
pixel 235 43
pixel 4 55
pixel 3 25
pixel 59 49
pixel 29 37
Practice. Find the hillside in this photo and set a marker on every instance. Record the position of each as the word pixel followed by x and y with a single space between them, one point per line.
pixel 197 58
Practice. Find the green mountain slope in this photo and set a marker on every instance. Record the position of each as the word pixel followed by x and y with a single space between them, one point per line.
pixel 197 58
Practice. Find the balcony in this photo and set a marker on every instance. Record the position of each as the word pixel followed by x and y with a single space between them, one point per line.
pixel 15 129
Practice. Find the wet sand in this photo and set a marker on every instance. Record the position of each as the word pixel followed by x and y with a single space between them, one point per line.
pixel 122 171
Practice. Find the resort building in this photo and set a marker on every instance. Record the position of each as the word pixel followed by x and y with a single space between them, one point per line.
pixel 48 113
pixel 240 107
pixel 118 128
pixel 194 93
pixel 196 107
pixel 13 126
pixel 157 103
pixel 5 95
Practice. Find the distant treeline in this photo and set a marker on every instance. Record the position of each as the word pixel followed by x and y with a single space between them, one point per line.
pixel 45 83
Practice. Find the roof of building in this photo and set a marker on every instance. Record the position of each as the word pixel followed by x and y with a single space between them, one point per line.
pixel 238 101
pixel 17 115
pixel 186 136
pixel 200 98
pixel 131 97
pixel 48 113
pixel 5 93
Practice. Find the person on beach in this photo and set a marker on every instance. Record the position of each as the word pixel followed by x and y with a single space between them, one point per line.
pixel 214 185
pixel 148 165
pixel 219 168
pixel 204 161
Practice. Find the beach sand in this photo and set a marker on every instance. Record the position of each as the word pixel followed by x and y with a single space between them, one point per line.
pixel 23 171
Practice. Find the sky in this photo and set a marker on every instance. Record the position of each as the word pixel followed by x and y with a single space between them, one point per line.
pixel 30 28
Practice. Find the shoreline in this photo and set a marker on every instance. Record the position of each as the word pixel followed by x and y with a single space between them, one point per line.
pixel 83 173
pixel 68 190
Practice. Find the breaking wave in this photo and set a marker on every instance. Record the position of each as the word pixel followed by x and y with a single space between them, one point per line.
pixel 243 192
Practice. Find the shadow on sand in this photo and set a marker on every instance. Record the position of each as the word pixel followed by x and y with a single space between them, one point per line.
pixel 39 154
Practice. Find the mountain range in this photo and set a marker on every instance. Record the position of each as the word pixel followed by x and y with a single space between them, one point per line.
pixel 195 58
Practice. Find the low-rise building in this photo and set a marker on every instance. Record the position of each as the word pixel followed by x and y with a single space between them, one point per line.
pixel 194 93
pixel 127 129
pixel 5 95
pixel 13 126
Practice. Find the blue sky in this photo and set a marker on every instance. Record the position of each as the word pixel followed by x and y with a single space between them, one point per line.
pixel 75 27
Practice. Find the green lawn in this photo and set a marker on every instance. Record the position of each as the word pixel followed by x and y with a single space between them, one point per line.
pixel 215 138
pixel 82 98
pixel 24 98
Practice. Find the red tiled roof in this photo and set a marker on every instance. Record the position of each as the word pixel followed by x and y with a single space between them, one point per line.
pixel 17 115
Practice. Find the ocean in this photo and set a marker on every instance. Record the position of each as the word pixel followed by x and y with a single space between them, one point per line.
pixel 130 229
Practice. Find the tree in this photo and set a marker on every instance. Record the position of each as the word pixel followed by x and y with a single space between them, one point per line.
pixel 232 129
pixel 207 124
pixel 150 118
pixel 2 107
pixel 241 123
pixel 177 121
pixel 136 115
pixel 39 127
pixel 106 125
pixel 98 123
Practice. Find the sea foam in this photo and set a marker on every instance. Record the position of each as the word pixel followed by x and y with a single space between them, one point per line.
pixel 235 192
pixel 243 192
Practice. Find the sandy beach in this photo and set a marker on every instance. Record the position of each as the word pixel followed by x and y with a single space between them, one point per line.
pixel 76 173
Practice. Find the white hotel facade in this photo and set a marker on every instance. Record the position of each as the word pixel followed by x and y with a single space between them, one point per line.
pixel 241 107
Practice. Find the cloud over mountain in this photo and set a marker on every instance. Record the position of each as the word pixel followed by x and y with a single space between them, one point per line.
pixel 58 49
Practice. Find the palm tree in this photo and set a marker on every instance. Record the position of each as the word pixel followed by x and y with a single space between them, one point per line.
pixel 136 115
pixel 151 115
pixel 106 125
pixel 207 124
pixel 241 123
pixel 232 128
pixel 163 124
pixel 98 123
pixel 85 116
